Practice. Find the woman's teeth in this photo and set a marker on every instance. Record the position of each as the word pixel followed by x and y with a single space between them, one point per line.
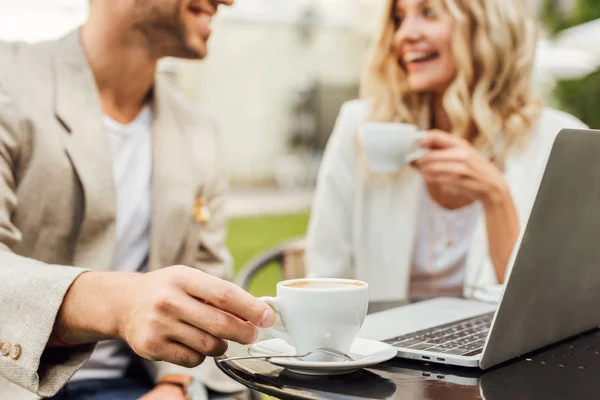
pixel 418 56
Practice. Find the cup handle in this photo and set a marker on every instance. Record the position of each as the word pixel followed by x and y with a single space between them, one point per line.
pixel 274 302
pixel 415 155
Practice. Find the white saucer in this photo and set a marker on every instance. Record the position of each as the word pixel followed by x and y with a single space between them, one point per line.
pixel 365 352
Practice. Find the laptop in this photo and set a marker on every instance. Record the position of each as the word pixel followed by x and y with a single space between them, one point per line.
pixel 553 290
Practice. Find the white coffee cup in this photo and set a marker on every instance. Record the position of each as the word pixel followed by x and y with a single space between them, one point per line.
pixel 389 147
pixel 320 312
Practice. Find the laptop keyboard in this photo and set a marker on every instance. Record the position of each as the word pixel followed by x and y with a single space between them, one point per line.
pixel 465 337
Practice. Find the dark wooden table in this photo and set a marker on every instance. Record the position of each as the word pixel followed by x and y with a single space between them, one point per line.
pixel 568 370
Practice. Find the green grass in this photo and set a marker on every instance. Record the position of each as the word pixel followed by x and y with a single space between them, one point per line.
pixel 249 237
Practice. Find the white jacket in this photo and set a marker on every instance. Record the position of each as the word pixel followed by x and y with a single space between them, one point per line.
pixel 365 228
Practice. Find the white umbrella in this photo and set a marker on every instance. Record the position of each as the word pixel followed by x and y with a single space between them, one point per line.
pixel 559 62
pixel 583 37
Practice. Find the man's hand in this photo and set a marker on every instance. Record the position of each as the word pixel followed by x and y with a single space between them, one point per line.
pixel 177 314
pixel 180 314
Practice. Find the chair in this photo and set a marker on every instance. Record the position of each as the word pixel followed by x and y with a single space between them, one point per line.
pixel 289 256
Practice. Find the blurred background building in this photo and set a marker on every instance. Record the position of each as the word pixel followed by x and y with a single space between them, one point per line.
pixel 278 70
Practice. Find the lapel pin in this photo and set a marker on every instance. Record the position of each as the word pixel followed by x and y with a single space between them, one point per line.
pixel 201 211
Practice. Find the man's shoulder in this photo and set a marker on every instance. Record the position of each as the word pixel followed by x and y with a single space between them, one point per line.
pixel 10 54
pixel 26 69
pixel 11 51
pixel 13 54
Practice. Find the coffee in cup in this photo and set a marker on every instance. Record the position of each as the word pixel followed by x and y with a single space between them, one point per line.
pixel 318 284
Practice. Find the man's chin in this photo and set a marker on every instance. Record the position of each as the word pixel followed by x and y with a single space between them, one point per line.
pixel 190 53
pixel 195 51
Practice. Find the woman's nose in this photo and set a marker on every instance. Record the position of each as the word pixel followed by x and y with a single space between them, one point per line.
pixel 410 30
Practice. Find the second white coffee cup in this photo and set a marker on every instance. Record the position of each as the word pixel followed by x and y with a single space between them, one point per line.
pixel 389 147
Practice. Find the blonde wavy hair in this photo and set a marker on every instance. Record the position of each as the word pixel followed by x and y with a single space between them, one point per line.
pixel 491 101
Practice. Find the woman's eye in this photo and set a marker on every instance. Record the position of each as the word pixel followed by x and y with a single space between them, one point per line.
pixel 429 12
pixel 398 20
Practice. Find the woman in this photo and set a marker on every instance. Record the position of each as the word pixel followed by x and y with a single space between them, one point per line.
pixel 462 71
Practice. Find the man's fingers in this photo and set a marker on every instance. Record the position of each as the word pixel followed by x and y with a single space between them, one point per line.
pixel 229 297
pixel 197 340
pixel 216 322
pixel 179 354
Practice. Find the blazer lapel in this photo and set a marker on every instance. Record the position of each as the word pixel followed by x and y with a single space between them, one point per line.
pixel 400 227
pixel 385 234
pixel 173 183
pixel 78 109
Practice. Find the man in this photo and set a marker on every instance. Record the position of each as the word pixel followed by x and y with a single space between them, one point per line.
pixel 105 167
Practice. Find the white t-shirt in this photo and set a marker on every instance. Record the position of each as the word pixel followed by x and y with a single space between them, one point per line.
pixel 442 243
pixel 131 148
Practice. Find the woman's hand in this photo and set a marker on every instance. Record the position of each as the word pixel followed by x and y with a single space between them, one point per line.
pixel 453 163
pixel 456 166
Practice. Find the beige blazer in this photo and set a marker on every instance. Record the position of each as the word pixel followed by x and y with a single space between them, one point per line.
pixel 363 227
pixel 57 202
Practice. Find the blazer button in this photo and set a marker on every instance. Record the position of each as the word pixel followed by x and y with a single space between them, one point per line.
pixel 5 349
pixel 15 352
